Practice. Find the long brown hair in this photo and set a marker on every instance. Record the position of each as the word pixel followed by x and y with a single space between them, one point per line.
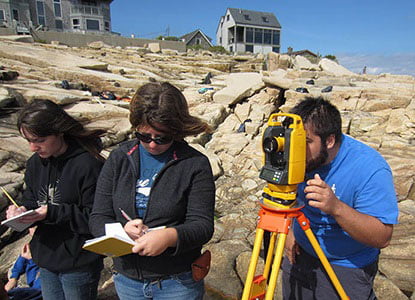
pixel 164 104
pixel 44 117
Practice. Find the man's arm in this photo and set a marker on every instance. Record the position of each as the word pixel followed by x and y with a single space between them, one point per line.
pixel 363 228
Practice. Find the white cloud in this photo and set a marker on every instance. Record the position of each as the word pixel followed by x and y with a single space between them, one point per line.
pixel 400 63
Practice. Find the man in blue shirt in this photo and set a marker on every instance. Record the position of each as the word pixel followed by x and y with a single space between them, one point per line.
pixel 350 200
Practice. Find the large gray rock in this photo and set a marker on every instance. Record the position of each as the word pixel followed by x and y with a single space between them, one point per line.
pixel 239 86
pixel 224 280
pixel 397 262
pixel 334 68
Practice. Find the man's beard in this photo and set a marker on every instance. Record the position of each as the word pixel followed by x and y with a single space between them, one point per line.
pixel 319 160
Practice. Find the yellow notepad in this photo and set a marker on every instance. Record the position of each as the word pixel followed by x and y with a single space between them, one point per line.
pixel 114 243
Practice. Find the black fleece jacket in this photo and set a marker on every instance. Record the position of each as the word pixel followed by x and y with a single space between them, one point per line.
pixel 182 196
pixel 66 184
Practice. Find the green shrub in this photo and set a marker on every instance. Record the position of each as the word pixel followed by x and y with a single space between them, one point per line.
pixel 195 47
pixel 218 49
pixel 167 38
pixel 332 57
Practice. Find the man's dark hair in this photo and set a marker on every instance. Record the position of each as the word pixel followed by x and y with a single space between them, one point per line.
pixel 323 116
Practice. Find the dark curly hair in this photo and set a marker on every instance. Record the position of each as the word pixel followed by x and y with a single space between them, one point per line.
pixel 323 116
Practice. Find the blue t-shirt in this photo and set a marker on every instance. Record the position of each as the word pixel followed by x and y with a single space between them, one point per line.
pixel 360 177
pixel 150 165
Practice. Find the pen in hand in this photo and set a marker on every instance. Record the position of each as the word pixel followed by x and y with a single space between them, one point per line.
pixel 124 214
pixel 10 197
pixel 128 218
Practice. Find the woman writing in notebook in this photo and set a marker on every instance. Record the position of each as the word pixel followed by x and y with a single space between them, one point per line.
pixel 60 183
pixel 158 180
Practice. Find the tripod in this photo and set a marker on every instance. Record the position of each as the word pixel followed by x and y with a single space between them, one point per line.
pixel 277 220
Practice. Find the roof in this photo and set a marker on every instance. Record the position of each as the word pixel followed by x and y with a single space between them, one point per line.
pixel 302 52
pixel 188 37
pixel 250 17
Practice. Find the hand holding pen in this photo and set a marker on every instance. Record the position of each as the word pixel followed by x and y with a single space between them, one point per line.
pixel 12 210
pixel 135 228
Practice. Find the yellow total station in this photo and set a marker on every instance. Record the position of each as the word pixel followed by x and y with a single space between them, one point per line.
pixel 284 160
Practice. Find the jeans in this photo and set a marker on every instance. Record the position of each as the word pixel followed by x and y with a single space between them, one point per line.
pixel 26 293
pixel 175 287
pixel 307 279
pixel 78 285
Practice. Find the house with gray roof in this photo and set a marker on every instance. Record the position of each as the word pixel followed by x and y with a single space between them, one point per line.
pixel 57 15
pixel 197 37
pixel 242 30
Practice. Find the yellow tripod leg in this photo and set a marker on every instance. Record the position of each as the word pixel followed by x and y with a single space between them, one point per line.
pixel 326 264
pixel 253 263
pixel 276 266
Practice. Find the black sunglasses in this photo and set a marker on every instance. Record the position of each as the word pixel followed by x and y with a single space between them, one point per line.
pixel 161 140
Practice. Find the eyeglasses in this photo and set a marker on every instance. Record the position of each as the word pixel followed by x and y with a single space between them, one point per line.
pixel 160 140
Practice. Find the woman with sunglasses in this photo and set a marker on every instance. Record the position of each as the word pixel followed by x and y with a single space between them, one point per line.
pixel 158 180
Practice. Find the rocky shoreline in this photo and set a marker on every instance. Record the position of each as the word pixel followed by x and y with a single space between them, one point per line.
pixel 379 110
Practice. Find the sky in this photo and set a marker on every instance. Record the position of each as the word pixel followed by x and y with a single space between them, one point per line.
pixel 378 34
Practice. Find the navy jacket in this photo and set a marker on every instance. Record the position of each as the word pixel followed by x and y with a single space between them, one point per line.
pixel 182 196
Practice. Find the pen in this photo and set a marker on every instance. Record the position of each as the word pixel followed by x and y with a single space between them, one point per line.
pixel 10 197
pixel 124 214
pixel 155 228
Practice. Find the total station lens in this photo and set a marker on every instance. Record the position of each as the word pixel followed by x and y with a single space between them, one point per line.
pixel 270 145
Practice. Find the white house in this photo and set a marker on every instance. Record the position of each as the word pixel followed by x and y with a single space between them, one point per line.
pixel 57 15
pixel 241 30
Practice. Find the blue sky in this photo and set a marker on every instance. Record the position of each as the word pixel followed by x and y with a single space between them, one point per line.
pixel 379 34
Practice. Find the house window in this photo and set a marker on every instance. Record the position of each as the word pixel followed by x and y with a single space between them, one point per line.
pixel 40 7
pixel 247 18
pixel 258 36
pixel 107 26
pixel 227 18
pixel 92 24
pixel 265 19
pixel 275 37
pixel 276 49
pixel 220 40
pixel 249 48
pixel 15 14
pixel 76 24
pixel 239 34
pixel 267 36
pixel 231 48
pixel 198 41
pixel 249 35
pixel 59 24
pixel 2 15
pixel 57 8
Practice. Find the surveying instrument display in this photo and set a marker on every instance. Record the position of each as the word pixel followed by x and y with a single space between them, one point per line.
pixel 284 147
